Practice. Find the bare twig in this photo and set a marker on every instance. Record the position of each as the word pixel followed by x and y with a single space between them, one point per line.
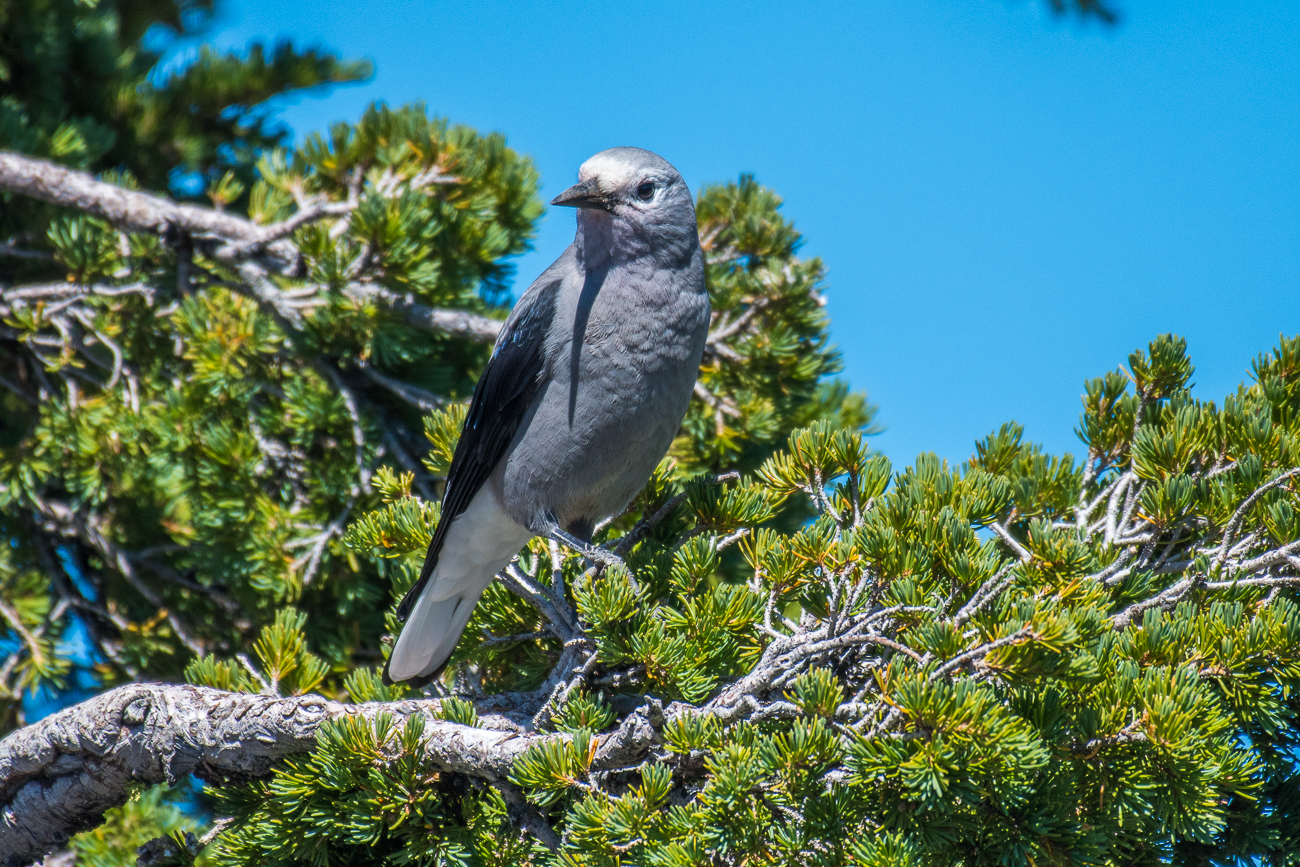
pixel 287 227
pixel 11 249
pixel 310 563
pixel 1020 550
pixel 459 323
pixel 1130 735
pixel 716 403
pixel 981 651
pixel 562 625
pixel 646 524
pixel 986 594
pixel 1263 581
pixel 415 396
pixel 15 622
pixel 28 293
pixel 729 329
pixel 1234 523
pixel 358 431
pixel 513 639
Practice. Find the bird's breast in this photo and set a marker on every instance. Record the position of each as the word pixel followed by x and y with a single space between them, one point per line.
pixel 619 380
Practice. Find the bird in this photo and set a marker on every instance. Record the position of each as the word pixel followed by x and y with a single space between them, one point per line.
pixel 585 390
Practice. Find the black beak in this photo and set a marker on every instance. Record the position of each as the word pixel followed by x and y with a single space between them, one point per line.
pixel 584 195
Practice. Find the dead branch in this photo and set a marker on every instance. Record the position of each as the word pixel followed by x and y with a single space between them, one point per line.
pixel 459 323
pixel 58 776
pixel 136 211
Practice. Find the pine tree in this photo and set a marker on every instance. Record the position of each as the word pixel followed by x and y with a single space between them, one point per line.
pixel 80 87
pixel 177 459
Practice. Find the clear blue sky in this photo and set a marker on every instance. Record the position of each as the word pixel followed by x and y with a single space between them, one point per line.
pixel 1006 203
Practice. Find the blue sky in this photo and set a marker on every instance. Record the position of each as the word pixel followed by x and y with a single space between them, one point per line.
pixel 1007 203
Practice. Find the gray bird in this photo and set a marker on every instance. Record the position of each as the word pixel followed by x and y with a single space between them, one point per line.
pixel 586 388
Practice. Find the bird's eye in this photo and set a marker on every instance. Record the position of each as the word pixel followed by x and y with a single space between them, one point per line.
pixel 646 191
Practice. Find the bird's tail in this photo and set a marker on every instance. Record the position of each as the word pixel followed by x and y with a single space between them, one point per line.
pixel 429 636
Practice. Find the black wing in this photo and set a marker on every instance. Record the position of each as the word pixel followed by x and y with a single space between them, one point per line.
pixel 500 401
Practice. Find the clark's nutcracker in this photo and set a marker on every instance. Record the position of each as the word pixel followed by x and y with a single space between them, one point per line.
pixel 586 388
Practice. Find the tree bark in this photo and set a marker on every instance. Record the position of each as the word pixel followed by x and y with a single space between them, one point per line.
pixel 129 209
pixel 144 212
pixel 58 776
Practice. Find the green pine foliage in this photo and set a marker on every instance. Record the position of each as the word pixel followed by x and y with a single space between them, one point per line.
pixel 1019 660
pixel 367 794
pixel 195 455
pixel 78 89
pixel 149 818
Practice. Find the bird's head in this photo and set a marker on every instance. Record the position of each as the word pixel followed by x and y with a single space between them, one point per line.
pixel 635 199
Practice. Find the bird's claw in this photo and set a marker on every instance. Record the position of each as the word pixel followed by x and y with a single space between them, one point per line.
pixel 599 557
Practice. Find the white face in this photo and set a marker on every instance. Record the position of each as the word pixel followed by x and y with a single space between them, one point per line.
pixel 609 169
pixel 633 203
pixel 627 181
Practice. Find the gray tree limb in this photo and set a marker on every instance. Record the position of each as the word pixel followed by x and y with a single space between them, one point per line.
pixel 459 323
pixel 58 776
pixel 145 212
pixel 129 209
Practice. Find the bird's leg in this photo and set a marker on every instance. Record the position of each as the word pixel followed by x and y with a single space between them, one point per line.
pixel 595 554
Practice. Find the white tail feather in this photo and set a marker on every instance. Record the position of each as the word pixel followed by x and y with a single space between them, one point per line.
pixel 430 634
pixel 479 543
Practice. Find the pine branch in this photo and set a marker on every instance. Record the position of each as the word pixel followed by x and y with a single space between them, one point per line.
pixel 50 292
pixel 1234 523
pixel 240 239
pixel 59 775
pixel 136 211
pixel 459 323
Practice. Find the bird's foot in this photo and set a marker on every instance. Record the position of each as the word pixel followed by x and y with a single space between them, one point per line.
pixel 598 557
pixel 595 554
